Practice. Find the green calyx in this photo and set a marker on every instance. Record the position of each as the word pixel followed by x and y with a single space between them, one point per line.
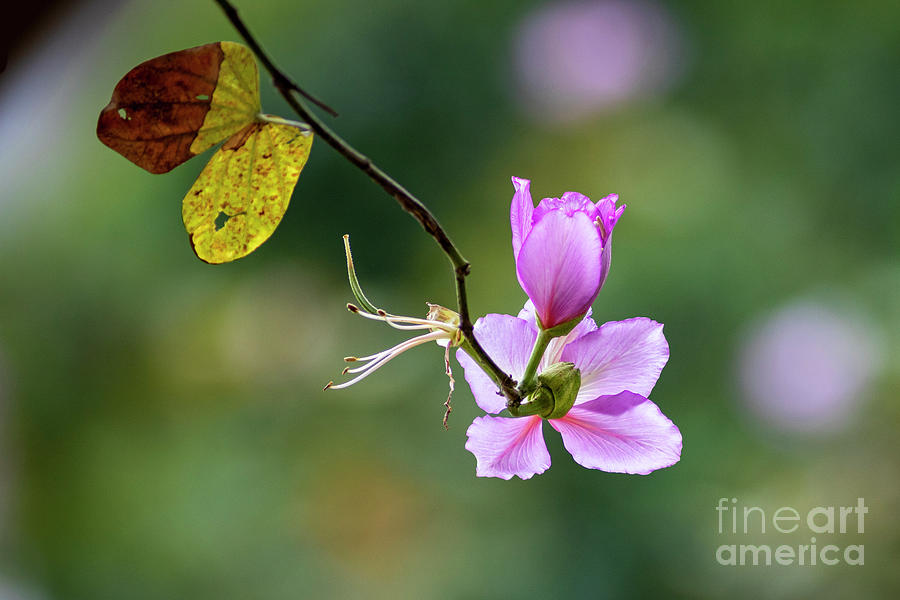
pixel 561 329
pixel 562 380
pixel 555 394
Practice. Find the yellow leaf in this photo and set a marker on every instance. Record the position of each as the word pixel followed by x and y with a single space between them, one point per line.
pixel 235 101
pixel 242 193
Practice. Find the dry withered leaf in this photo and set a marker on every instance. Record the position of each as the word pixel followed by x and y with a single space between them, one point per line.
pixel 175 106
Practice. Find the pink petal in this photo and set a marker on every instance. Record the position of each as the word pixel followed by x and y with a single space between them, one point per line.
pixel 573 201
pixel 625 433
pixel 558 268
pixel 520 213
pixel 508 341
pixel 609 215
pixel 570 203
pixel 621 355
pixel 527 314
pixel 605 263
pixel 506 447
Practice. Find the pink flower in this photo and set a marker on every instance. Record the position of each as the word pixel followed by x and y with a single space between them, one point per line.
pixel 612 426
pixel 562 250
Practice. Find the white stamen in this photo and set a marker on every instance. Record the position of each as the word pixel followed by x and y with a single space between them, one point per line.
pixel 407 327
pixel 379 355
pixel 375 356
pixel 382 358
pixel 408 322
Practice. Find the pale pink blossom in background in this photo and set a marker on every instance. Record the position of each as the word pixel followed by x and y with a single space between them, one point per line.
pixel 574 59
pixel 807 367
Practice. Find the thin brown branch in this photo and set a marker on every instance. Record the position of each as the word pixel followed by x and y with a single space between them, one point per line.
pixel 407 201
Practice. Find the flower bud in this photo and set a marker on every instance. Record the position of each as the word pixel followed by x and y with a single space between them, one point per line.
pixel 562 249
pixel 558 386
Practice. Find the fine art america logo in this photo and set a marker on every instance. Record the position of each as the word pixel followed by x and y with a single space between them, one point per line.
pixel 735 519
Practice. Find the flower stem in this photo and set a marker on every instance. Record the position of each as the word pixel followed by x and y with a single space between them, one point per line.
pixel 529 380
pixel 286 87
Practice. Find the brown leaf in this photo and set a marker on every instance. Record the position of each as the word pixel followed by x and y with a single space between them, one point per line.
pixel 159 107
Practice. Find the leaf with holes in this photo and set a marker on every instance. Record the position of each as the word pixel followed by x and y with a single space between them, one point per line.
pixel 173 107
pixel 241 195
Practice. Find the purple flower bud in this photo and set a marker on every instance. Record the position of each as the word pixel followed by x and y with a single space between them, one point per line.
pixel 562 250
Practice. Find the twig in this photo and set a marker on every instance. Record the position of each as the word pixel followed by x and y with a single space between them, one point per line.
pixel 286 87
pixel 449 371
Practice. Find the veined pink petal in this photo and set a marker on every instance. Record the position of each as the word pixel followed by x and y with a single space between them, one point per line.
pixel 625 433
pixel 621 355
pixel 508 341
pixel 520 213
pixel 573 201
pixel 558 268
pixel 527 314
pixel 506 447
pixel 569 203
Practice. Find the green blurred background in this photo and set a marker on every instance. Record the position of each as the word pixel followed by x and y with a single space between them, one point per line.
pixel 163 430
